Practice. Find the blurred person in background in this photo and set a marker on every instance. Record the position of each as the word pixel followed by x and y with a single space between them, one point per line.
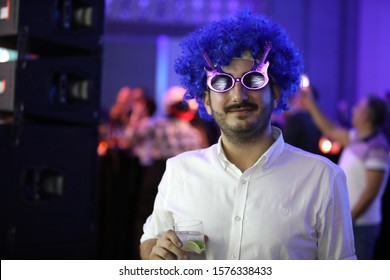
pixel 154 140
pixel 112 130
pixel 159 138
pixel 120 173
pixel 120 111
pixel 365 160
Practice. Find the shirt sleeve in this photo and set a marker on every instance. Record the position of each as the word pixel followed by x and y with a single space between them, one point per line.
pixel 377 157
pixel 335 236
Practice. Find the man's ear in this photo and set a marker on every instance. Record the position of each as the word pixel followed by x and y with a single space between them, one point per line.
pixel 277 93
pixel 206 100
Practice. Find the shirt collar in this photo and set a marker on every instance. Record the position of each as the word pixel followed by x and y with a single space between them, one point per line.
pixel 266 159
pixel 221 154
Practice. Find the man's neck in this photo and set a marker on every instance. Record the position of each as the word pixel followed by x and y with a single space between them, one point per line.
pixel 245 155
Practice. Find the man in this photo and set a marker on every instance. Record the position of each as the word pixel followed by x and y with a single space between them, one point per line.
pixel 365 160
pixel 258 197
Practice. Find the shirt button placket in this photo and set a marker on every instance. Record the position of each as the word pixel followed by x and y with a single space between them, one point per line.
pixel 239 208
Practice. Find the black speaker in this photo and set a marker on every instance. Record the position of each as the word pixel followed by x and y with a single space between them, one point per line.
pixel 49 103
pixel 63 89
pixel 47 192
pixel 8 175
pixel 44 26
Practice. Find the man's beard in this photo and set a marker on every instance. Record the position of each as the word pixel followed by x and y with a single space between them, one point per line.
pixel 247 132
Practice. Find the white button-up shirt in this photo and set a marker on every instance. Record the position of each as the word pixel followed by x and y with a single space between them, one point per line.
pixel 289 205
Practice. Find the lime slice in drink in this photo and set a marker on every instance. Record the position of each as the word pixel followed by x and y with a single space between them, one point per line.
pixel 196 246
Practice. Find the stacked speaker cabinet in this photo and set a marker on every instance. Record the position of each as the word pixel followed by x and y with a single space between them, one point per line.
pixel 49 112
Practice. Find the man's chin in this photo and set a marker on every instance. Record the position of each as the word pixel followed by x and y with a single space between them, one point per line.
pixel 243 123
pixel 243 127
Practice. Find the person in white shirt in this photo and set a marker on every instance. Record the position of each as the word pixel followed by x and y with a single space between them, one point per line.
pixel 258 197
pixel 366 163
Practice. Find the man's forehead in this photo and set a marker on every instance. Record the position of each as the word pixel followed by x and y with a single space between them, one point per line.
pixel 236 65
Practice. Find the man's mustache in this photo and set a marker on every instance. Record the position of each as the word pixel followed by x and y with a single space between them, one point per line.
pixel 243 105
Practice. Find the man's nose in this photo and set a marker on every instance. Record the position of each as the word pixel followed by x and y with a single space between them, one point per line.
pixel 239 92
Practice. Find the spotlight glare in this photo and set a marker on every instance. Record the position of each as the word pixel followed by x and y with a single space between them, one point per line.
pixel 4 55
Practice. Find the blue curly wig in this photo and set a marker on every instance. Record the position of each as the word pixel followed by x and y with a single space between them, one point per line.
pixel 229 38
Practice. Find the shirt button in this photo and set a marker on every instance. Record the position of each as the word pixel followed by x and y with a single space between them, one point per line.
pixel 237 218
pixel 234 256
pixel 243 181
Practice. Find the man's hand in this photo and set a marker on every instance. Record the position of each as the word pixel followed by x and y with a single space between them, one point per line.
pixel 168 247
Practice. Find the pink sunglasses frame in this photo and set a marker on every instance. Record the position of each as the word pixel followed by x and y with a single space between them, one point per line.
pixel 260 68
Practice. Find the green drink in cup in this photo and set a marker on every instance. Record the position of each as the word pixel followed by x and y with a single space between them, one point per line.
pixel 191 235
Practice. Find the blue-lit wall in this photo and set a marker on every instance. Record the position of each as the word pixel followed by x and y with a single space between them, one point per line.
pixel 127 60
pixel 373 71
